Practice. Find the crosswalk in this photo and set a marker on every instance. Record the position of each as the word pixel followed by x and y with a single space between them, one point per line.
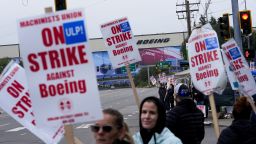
pixel 15 129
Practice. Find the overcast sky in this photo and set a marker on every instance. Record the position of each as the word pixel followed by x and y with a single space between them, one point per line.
pixel 145 16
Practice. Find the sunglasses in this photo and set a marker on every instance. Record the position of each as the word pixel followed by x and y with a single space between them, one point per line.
pixel 105 128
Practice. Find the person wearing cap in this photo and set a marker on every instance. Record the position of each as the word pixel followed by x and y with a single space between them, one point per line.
pixel 152 124
pixel 185 120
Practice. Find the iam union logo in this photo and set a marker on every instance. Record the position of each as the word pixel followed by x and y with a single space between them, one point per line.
pixel 65 105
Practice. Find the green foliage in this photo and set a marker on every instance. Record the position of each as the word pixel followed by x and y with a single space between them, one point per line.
pixel 3 63
pixel 141 79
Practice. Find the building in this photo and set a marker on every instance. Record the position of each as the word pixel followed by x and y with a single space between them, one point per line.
pixel 153 48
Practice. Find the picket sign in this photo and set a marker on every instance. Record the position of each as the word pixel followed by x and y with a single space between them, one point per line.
pixel 239 67
pixel 15 100
pixel 69 134
pixel 121 46
pixel 231 76
pixel 206 66
pixel 153 80
pixel 240 70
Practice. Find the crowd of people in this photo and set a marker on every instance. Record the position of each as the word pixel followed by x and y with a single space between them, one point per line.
pixel 179 123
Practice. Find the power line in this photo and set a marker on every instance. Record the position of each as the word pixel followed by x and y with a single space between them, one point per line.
pixel 188 12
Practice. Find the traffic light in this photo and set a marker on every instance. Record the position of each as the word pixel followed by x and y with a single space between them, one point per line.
pixel 60 5
pixel 245 21
pixel 224 26
pixel 249 54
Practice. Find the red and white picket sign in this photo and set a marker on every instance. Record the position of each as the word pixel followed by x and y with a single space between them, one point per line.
pixel 240 67
pixel 15 100
pixel 120 42
pixel 205 61
pixel 59 67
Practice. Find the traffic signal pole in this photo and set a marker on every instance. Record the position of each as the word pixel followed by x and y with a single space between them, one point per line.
pixel 237 32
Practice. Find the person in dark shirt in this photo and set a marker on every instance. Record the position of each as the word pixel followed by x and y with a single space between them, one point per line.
pixel 185 120
pixel 242 130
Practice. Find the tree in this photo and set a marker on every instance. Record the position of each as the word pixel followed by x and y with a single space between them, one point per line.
pixel 203 21
pixel 3 63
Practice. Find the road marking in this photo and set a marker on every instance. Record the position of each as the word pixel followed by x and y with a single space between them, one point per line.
pixel 84 126
pixel 23 134
pixel 4 124
pixel 129 115
pixel 15 129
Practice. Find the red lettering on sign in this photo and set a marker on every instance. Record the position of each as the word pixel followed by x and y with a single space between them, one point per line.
pixel 200 46
pixel 68 87
pixel 208 56
pixel 116 29
pixel 122 50
pixel 60 75
pixel 237 64
pixel 15 89
pixel 207 74
pixel 57 58
pixel 22 106
pixel 228 56
pixel 56 33
pixel 119 38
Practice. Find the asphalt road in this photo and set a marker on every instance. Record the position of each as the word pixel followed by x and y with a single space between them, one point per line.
pixel 122 99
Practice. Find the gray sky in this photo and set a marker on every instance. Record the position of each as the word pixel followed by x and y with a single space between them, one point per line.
pixel 145 16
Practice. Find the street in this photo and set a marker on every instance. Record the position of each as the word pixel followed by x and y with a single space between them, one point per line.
pixel 122 99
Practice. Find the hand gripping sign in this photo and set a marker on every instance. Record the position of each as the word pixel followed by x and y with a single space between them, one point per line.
pixel 15 100
pixel 205 61
pixel 240 67
pixel 59 67
pixel 120 42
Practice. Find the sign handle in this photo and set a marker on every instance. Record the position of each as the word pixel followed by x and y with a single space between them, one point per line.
pixel 133 85
pixel 69 134
pixel 214 116
pixel 78 141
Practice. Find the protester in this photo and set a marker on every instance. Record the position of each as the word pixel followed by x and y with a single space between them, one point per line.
pixel 200 99
pixel 152 124
pixel 110 129
pixel 169 98
pixel 162 92
pixel 185 120
pixel 227 98
pixel 242 130
pixel 197 96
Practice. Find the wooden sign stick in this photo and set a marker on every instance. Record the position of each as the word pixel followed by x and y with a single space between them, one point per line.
pixel 133 85
pixel 214 116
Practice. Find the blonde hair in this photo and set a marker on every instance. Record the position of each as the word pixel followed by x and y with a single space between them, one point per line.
pixel 127 135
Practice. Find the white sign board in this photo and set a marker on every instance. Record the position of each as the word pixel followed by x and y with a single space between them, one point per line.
pixel 120 42
pixel 231 76
pixel 153 80
pixel 59 67
pixel 239 67
pixel 16 101
pixel 202 108
pixel 205 61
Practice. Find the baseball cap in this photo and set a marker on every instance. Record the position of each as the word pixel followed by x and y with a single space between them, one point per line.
pixel 181 90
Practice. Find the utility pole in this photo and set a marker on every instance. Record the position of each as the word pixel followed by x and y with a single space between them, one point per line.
pixel 188 13
pixel 206 9
pixel 237 31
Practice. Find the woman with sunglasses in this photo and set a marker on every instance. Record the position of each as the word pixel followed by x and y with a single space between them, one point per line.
pixel 110 129
pixel 152 124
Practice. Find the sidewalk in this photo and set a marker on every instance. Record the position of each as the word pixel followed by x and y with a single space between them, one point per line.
pixel 222 122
